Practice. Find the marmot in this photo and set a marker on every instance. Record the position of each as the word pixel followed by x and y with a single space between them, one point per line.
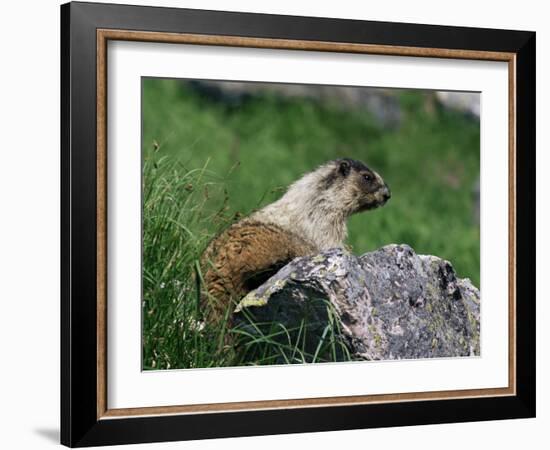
pixel 310 217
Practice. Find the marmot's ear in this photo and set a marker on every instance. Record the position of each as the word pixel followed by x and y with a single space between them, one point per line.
pixel 344 168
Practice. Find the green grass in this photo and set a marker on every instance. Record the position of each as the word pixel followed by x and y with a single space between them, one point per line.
pixel 206 164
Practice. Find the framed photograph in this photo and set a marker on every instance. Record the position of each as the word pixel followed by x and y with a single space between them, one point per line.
pixel 277 224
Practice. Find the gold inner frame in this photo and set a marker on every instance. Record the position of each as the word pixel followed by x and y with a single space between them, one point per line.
pixel 104 35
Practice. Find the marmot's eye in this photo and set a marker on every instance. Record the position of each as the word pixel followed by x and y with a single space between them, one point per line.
pixel 367 178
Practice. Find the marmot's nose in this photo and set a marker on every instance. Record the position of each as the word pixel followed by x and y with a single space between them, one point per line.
pixel 386 193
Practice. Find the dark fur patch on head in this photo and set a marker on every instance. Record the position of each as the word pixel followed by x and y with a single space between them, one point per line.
pixel 344 167
pixel 354 164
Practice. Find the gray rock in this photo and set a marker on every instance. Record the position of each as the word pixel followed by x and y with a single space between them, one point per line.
pixel 386 304
pixel 380 102
pixel 466 102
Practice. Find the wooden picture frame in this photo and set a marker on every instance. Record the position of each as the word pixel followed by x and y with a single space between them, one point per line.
pixel 86 418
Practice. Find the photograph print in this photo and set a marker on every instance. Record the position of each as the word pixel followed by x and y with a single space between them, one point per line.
pixel 296 224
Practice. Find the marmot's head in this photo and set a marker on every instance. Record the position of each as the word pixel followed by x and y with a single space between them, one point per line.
pixel 317 205
pixel 354 186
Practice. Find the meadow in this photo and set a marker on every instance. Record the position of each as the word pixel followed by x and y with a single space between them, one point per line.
pixel 206 163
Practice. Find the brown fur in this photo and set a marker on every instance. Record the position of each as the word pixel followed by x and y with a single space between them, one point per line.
pixel 243 256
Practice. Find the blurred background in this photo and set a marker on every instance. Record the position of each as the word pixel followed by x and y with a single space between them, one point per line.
pixel 248 141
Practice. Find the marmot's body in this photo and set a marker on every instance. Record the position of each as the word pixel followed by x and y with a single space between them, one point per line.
pixel 310 217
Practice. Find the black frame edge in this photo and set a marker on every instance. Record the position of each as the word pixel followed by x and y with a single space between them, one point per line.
pixel 79 232
pixel 65 416
pixel 234 23
pixel 525 223
pixel 79 425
